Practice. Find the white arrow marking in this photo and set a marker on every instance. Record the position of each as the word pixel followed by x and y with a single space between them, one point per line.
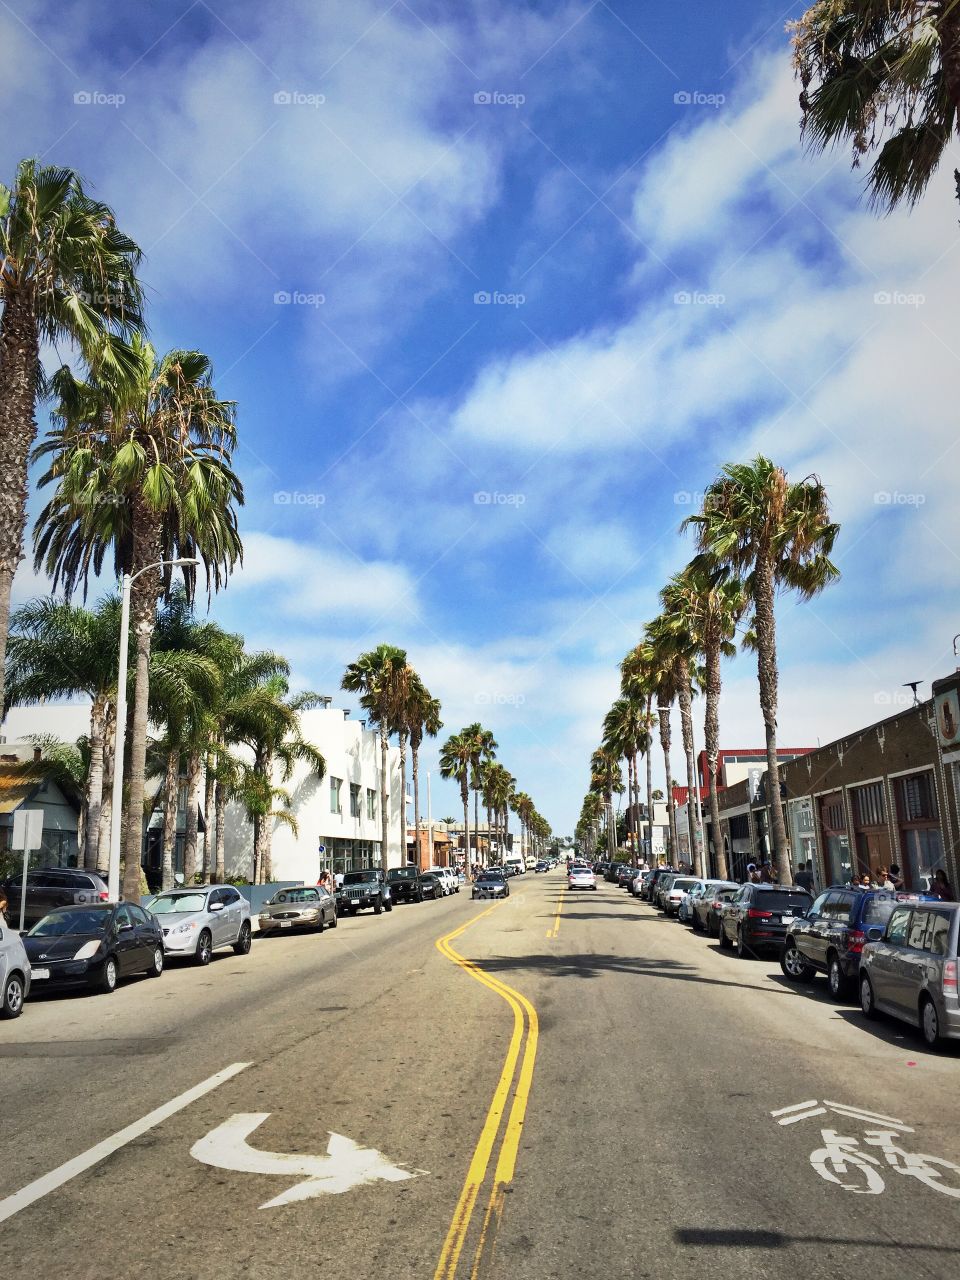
pixel 345 1166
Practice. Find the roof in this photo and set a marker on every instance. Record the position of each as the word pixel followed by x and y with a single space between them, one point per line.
pixel 15 790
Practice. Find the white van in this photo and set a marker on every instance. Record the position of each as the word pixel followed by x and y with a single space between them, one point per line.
pixel 513 860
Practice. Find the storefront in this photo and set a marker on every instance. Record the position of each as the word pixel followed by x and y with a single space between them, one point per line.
pixel 835 839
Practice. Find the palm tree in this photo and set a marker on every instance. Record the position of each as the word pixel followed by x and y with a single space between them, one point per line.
pixel 143 474
pixel 523 807
pixel 456 759
pixel 655 669
pixel 626 734
pixel 66 274
pixel 638 684
pixel 606 778
pixel 60 650
pixel 498 785
pixel 382 678
pixel 775 535
pixel 483 747
pixel 882 76
pixel 423 720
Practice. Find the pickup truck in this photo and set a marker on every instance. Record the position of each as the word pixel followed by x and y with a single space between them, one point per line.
pixel 362 889
pixel 405 884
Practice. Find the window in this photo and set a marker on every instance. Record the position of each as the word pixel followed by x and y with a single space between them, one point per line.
pixel 837 906
pixel 818 906
pixel 354 800
pixel 937 933
pixel 897 927
pixel 918 803
pixel 920 840
pixel 137 913
pixel 371 803
pixel 230 896
pixel 868 805
pixel 123 917
pixel 335 785
pixel 918 930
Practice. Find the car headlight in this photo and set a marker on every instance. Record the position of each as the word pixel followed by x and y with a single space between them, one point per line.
pixel 188 926
pixel 88 950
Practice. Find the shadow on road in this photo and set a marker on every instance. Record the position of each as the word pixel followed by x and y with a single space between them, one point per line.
pixel 758 1239
pixel 595 965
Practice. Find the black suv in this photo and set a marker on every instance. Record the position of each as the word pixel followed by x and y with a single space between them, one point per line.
pixel 758 916
pixel 405 885
pixel 360 889
pixel 51 887
pixel 829 938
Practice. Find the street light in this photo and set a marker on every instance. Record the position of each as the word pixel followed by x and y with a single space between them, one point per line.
pixel 116 812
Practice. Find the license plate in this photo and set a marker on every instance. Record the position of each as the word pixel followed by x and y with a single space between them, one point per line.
pixel 788 919
pixel 286 924
pixel 39 973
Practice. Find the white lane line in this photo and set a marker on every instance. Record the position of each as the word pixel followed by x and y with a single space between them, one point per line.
pixel 797 1106
pixel 803 1115
pixel 857 1113
pixel 79 1164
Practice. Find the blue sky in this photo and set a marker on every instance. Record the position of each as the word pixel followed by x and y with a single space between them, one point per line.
pixel 327 192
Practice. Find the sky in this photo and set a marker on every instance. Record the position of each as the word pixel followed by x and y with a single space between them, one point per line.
pixel 498 288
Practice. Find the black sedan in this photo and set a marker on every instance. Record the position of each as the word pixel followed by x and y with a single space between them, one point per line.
pixel 93 946
pixel 429 886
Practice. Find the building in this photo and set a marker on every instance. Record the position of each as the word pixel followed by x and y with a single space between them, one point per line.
pixel 337 817
pixel 442 846
pixel 25 784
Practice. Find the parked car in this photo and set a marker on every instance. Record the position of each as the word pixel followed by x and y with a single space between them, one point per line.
pixel 581 878
pixel 14 972
pixel 490 884
pixel 363 889
pixel 679 888
pixel 611 871
pixel 829 938
pixel 758 916
pixel 430 886
pixel 298 908
pixel 93 946
pixel 625 874
pixel 662 888
pixel 50 887
pixel 640 883
pixel 197 921
pixel 706 909
pixel 405 884
pixel 659 874
pixel 702 888
pixel 448 878
pixel 910 971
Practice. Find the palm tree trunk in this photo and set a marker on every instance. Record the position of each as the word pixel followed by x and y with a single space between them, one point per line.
pixel 384 800
pixel 19 363
pixel 476 821
pixel 611 826
pixel 465 797
pixel 133 836
pixel 106 806
pixel 220 804
pixel 766 629
pixel 192 827
pixel 650 776
pixel 255 870
pixel 265 830
pixel 711 736
pixel 171 793
pixel 208 815
pixel 664 714
pixel 94 790
pixel 686 733
pixel 416 805
pixel 506 832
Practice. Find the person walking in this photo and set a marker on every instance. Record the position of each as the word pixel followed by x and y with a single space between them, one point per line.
pixel 896 877
pixel 941 886
pixel 804 877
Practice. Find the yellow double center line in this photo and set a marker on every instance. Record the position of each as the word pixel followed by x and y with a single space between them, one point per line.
pixel 522 1040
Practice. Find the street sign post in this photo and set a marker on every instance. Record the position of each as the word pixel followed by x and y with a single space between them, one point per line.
pixel 27 835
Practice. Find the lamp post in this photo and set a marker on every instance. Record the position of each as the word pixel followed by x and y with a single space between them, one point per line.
pixel 116 811
pixel 429 826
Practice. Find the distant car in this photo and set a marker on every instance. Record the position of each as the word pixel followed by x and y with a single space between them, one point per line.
pixel 542 866
pixel 362 889
pixel 581 878
pixel 430 886
pixel 659 873
pixel 490 884
pixel 705 911
pixel 700 888
pixel 199 920
pixel 405 884
pixel 14 972
pixel 829 938
pixel 910 971
pixel 662 887
pixel 298 908
pixel 758 916
pixel 676 893
pixel 447 877
pixel 93 946
pixel 50 887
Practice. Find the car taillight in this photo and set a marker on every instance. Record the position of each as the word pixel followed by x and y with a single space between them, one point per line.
pixel 855 940
pixel 950 978
pixel 754 914
pixel 105 895
pixel 716 905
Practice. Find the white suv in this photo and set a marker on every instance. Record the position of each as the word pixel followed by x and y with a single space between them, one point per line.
pixel 199 919
pixel 14 972
pixel 448 878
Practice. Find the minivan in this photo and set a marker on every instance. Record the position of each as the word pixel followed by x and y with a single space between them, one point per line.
pixel 909 969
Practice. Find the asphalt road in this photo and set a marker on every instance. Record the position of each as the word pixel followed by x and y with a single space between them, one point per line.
pixel 565 1086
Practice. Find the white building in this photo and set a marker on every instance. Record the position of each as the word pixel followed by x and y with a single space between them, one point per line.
pixel 338 816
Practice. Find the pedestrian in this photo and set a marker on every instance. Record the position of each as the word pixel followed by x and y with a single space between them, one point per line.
pixel 753 875
pixel 941 886
pixel 4 904
pixel 896 878
pixel 804 876
pixel 766 872
pixel 883 878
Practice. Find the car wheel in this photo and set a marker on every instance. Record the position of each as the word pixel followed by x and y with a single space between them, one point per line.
pixel 333 921
pixel 836 979
pixel 793 964
pixel 204 947
pixel 378 906
pixel 725 942
pixel 319 922
pixel 156 963
pixel 419 896
pixel 695 924
pixel 388 905
pixel 743 951
pixel 244 939
pixel 108 975
pixel 867 1003
pixel 11 1006
pixel 930 1022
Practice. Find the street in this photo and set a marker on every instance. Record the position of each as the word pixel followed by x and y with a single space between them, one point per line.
pixel 549 1086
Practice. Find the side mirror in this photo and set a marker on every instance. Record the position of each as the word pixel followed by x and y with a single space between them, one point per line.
pixel 216 906
pixel 874 933
pixel 124 928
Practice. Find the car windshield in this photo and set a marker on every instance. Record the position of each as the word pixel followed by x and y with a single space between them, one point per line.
pixel 168 903
pixel 781 900
pixel 294 895
pixel 60 924
pixel 359 877
pixel 490 875
pixel 878 909
pixel 683 884
pixel 404 873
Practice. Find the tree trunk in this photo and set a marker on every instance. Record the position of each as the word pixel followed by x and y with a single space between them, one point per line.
pixel 765 625
pixel 94 790
pixel 220 803
pixel 948 25
pixel 506 832
pixel 192 826
pixel 686 732
pixel 650 776
pixel 664 714
pixel 208 816
pixel 255 869
pixel 171 794
pixel 384 801
pixel 476 822
pixel 611 826
pixel 106 805
pixel 19 364
pixel 403 798
pixel 465 797
pixel 711 735
pixel 415 753
pixel 264 850
pixel 133 837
